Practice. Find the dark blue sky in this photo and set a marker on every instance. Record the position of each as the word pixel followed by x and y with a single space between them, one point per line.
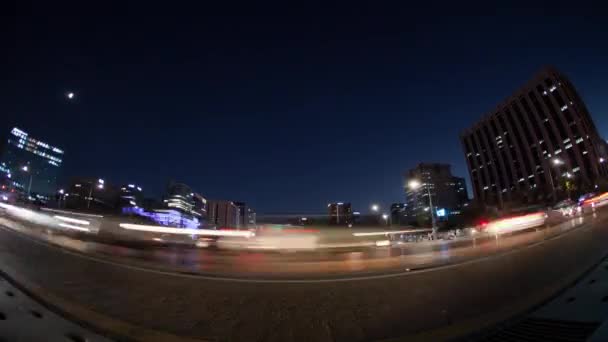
pixel 284 108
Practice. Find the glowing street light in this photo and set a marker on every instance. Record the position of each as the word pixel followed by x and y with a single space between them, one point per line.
pixel 25 168
pixel 100 183
pixel 557 161
pixel 70 95
pixel 385 217
pixel 415 184
pixel 602 160
pixel 375 207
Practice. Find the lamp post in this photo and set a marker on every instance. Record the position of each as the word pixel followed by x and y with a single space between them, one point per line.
pixel 100 183
pixel 555 162
pixel 415 184
pixel 29 187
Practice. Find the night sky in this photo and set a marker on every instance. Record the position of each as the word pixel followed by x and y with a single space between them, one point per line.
pixel 284 108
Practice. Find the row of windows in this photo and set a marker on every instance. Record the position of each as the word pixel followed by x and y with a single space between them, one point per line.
pixel 538 126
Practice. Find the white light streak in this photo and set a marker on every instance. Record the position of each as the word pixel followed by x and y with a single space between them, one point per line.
pixel 70 226
pixel 72 220
pixel 186 231
pixel 393 232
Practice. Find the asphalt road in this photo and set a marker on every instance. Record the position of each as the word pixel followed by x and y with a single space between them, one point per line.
pixel 356 310
pixel 301 265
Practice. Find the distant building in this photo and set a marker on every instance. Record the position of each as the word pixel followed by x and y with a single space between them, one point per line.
pixel 131 195
pixel 179 197
pixel 223 214
pixel 243 220
pixel 399 215
pixel 340 214
pixel 28 164
pixel 532 143
pixel 131 199
pixel 200 206
pixel 447 191
pixel 251 217
pixel 92 194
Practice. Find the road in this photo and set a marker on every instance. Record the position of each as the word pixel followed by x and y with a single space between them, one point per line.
pixel 366 308
pixel 302 265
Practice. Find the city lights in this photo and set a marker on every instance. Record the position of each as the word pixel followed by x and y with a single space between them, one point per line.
pixel 375 207
pixel 70 95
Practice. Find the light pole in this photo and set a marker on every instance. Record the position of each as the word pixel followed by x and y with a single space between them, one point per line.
pixel 100 183
pixel 29 187
pixel 415 184
pixel 555 162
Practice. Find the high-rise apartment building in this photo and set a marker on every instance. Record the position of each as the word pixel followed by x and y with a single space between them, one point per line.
pixel 525 148
pixel 29 165
pixel 446 191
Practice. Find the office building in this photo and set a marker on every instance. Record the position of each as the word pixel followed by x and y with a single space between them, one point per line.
pixel 200 206
pixel 29 165
pixel 531 143
pixel 178 196
pixel 447 192
pixel 246 215
pixel 243 219
pixel 223 214
pixel 340 214
pixel 181 198
pixel 131 198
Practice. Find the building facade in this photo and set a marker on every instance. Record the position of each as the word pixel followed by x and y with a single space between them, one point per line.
pixel 200 206
pixel 223 214
pixel 29 165
pixel 532 143
pixel 340 214
pixel 446 191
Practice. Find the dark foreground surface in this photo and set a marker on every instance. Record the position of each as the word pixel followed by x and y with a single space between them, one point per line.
pixel 347 310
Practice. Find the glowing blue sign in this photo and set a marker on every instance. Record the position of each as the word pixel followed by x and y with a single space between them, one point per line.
pixel 441 212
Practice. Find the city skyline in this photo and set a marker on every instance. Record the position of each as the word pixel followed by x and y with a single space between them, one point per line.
pixel 219 130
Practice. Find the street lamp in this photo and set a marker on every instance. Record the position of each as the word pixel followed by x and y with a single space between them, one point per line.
pixel 25 168
pixel 556 162
pixel 415 184
pixel 375 207
pixel 100 183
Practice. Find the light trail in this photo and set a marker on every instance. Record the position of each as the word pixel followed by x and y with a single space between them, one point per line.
pixel 186 231
pixel 393 232
pixel 71 226
pixel 72 220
